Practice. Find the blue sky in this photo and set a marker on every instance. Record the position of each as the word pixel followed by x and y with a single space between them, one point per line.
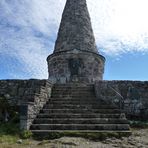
pixel 28 30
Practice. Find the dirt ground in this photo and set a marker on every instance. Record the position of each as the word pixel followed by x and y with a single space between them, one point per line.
pixel 139 139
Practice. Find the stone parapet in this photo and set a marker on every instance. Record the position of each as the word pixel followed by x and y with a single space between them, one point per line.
pixel 29 95
pixel 131 96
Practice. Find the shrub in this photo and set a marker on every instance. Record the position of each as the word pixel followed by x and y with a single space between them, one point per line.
pixel 26 134
pixel 8 112
pixel 139 124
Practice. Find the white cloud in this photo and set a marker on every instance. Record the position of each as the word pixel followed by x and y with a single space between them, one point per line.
pixel 120 26
pixel 28 29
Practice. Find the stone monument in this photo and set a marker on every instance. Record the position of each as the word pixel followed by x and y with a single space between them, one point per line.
pixel 75 57
pixel 59 104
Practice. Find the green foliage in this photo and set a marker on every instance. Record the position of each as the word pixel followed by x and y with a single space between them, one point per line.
pixel 139 124
pixel 3 103
pixel 26 134
pixel 9 139
pixel 9 128
pixel 9 133
pixel 12 111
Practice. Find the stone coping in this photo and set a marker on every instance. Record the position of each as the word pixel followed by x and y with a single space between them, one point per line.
pixel 123 81
pixel 70 52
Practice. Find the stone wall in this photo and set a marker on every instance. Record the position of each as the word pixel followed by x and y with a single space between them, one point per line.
pixel 29 95
pixel 131 96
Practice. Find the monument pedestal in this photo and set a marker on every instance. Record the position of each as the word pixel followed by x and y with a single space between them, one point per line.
pixel 75 66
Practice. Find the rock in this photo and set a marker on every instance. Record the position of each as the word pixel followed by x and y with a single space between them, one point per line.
pixel 20 141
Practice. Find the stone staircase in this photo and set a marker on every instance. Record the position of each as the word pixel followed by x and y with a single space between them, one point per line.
pixel 74 107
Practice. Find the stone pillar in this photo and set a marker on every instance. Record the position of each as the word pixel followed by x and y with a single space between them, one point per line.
pixel 26 115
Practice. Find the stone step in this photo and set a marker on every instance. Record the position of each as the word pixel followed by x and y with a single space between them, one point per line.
pixel 73 86
pixel 74 89
pixel 73 92
pixel 72 96
pixel 80 127
pixel 83 91
pixel 74 115
pixel 80 121
pixel 104 111
pixel 84 102
pixel 73 106
pixel 74 99
pixel 68 101
pixel 45 133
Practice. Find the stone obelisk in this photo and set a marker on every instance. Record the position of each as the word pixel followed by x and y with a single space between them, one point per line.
pixel 75 57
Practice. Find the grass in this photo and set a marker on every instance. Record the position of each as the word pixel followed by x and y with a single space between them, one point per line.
pixel 9 133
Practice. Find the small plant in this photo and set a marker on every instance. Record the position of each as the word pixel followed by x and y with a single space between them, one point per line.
pixel 26 134
pixel 9 139
pixel 139 124
pixel 8 113
pixel 9 128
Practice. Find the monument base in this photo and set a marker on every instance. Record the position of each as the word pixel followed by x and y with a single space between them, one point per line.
pixel 75 66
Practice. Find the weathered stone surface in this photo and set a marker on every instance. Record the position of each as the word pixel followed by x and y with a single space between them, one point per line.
pixel 29 95
pixel 75 29
pixel 22 90
pixel 133 96
pixel 76 66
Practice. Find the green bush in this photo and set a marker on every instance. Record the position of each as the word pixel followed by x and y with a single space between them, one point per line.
pixel 9 129
pixel 139 124
pixel 6 108
pixel 26 134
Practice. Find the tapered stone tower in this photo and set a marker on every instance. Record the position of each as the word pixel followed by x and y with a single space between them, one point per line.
pixel 75 57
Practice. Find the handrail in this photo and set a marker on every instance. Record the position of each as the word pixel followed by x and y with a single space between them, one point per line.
pixel 121 97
